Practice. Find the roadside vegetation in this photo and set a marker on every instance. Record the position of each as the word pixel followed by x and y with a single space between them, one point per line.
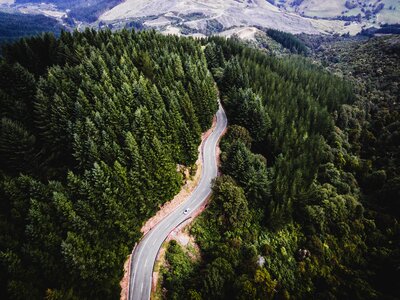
pixel 307 206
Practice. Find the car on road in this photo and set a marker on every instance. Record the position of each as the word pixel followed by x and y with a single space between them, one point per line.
pixel 185 212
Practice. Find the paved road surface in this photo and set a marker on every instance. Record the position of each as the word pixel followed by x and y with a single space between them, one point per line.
pixel 146 251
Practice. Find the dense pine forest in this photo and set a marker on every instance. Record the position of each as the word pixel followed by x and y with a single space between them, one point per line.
pixel 288 41
pixel 308 204
pixel 93 127
pixel 15 26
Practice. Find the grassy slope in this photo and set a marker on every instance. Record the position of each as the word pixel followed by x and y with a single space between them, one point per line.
pixel 88 10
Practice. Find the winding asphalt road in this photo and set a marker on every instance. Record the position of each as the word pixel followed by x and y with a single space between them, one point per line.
pixel 146 251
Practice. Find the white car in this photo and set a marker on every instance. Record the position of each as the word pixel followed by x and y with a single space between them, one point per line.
pixel 185 212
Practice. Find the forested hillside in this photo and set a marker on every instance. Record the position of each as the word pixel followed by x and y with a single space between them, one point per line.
pixel 93 126
pixel 307 205
pixel 288 41
pixel 15 26
pixel 372 64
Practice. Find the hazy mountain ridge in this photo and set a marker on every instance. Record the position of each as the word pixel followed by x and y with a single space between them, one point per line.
pixel 366 11
pixel 81 10
pixel 15 26
pixel 310 16
pixel 206 17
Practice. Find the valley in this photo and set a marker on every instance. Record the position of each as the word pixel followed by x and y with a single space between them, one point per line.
pixel 203 17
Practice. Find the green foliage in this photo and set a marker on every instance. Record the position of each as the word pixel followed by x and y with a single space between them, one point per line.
pixel 229 204
pixel 250 171
pixel 36 53
pixel 93 126
pixel 217 275
pixel 180 267
pixel 314 225
pixel 16 26
pixel 236 133
pixel 16 146
pixel 247 110
pixel 17 93
pixel 289 41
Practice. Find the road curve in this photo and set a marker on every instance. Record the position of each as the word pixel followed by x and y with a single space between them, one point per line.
pixel 146 251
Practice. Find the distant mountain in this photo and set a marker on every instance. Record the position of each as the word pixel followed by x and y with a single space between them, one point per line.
pixel 372 11
pixel 83 10
pixel 309 16
pixel 15 26
pixel 226 17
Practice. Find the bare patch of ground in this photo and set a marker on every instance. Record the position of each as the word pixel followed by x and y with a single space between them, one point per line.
pixel 125 280
pixel 190 247
pixel 187 242
pixel 245 33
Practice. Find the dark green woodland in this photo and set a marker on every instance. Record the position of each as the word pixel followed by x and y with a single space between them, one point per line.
pixel 15 26
pixel 94 129
pixel 93 126
pixel 308 204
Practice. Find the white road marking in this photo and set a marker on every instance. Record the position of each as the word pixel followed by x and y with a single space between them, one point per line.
pixel 136 267
pixel 196 199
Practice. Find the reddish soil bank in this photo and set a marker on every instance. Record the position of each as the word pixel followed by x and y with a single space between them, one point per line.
pixel 167 208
